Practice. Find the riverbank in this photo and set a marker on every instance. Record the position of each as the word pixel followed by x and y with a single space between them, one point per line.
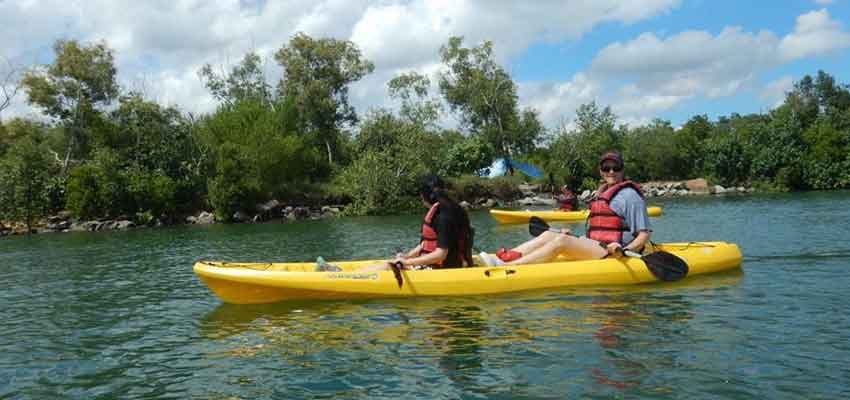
pixel 472 195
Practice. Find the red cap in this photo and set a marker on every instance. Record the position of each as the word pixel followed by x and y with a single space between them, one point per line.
pixel 612 156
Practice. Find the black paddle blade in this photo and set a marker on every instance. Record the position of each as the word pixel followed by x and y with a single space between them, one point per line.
pixel 666 266
pixel 397 272
pixel 536 226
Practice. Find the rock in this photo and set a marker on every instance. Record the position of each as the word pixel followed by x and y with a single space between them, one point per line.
pixel 334 210
pixel 268 206
pixel 528 189
pixel 717 189
pixel 205 218
pixel 326 209
pixel 123 224
pixel 699 185
pixel 288 209
pixel 490 203
pixel 57 226
pixel 301 212
pixel 191 219
pixel 257 218
pixel 465 204
pixel 543 201
pixel 240 216
pixel 741 189
pixel 526 201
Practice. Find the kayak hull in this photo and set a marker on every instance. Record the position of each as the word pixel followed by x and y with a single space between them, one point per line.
pixel 521 217
pixel 254 283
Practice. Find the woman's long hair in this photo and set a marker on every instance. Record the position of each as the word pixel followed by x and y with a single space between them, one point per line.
pixel 434 190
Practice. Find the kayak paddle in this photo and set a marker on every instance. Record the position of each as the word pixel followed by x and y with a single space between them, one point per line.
pixel 396 267
pixel 665 266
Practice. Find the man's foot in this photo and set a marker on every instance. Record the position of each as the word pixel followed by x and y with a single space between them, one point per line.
pixel 490 260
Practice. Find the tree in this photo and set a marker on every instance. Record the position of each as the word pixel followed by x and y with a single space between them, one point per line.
pixel 246 81
pixel 486 98
pixel 317 73
pixel 10 84
pixel 80 79
pixel 24 181
pixel 416 105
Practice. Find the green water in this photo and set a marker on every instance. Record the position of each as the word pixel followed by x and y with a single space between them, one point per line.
pixel 120 315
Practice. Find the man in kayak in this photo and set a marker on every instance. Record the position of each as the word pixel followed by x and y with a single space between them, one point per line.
pixel 618 219
pixel 446 240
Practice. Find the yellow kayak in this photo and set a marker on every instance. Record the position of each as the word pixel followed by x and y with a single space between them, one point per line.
pixel 252 283
pixel 521 217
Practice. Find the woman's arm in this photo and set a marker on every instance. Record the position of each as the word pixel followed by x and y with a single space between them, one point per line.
pixel 435 257
pixel 640 240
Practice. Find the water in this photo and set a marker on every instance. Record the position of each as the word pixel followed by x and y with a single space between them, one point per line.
pixel 120 315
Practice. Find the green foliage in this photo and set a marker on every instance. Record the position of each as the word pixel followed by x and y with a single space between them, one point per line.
pixel 466 156
pixel 245 81
pixel 24 181
pixel 726 161
pixel 255 157
pixel 650 152
pixel 317 73
pixel 485 96
pixel 473 188
pixel 80 79
pixel 416 105
pixel 394 154
pixel 99 188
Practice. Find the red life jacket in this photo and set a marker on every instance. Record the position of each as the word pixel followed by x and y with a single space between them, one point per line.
pixel 604 225
pixel 567 200
pixel 429 240
pixel 429 234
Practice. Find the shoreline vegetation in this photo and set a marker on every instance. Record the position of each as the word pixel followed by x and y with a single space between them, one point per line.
pixel 472 198
pixel 101 156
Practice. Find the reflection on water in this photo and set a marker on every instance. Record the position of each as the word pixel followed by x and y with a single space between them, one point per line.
pixel 464 339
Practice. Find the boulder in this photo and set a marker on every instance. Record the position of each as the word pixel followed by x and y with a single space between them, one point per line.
pixel 717 189
pixel 205 218
pixel 528 189
pixel 465 204
pixel 56 226
pixel 123 224
pixel 490 203
pixel 526 201
pixel 240 216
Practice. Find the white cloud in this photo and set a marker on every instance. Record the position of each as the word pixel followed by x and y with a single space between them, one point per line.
pixel 815 34
pixel 774 92
pixel 649 74
pixel 163 43
pixel 165 40
pixel 824 2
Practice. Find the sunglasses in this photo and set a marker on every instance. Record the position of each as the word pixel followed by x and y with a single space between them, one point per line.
pixel 610 168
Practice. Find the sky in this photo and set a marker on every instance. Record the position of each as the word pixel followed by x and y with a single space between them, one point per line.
pixel 646 59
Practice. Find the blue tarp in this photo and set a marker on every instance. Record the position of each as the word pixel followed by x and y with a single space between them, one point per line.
pixel 500 167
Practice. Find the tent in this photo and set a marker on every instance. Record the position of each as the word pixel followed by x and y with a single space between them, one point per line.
pixel 502 166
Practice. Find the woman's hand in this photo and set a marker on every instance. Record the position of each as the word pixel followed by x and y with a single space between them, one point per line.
pixel 613 248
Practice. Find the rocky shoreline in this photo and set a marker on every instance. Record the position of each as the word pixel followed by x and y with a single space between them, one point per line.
pixel 274 210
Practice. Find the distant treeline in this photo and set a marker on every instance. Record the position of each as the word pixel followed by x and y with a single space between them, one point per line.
pixel 111 152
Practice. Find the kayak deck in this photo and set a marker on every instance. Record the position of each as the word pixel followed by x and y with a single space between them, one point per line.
pixel 251 283
pixel 520 217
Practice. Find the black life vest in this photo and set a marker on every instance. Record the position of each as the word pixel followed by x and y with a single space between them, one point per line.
pixel 603 224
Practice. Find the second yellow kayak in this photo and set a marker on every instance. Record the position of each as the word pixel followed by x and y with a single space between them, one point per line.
pixel 520 217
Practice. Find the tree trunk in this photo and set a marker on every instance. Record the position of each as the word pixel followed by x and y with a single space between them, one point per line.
pixel 330 155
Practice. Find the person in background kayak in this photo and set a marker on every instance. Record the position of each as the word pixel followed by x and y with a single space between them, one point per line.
pixel 447 236
pixel 567 200
pixel 618 219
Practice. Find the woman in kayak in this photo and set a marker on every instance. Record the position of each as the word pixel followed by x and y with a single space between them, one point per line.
pixel 618 219
pixel 446 240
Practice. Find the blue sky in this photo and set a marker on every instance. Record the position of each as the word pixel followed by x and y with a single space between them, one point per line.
pixel 647 59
